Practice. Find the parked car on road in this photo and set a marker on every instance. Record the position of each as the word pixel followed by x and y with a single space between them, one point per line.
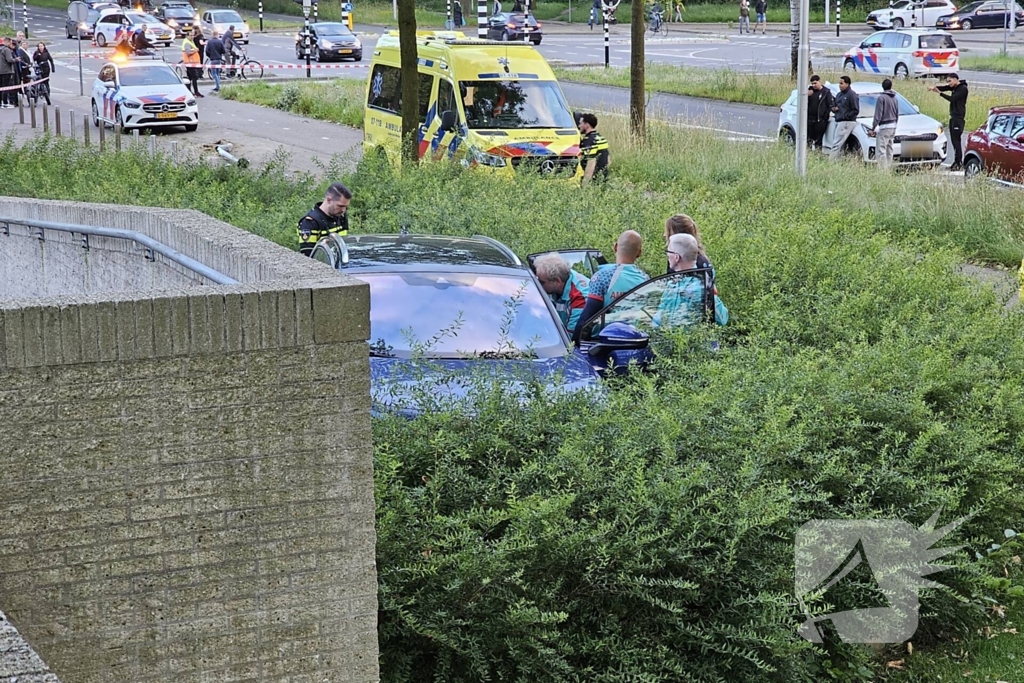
pixel 329 40
pixel 180 16
pixel 142 94
pixel 113 22
pixel 218 20
pixel 986 14
pixel 923 13
pixel 87 28
pixel 904 53
pixel 997 148
pixel 920 139
pixel 509 26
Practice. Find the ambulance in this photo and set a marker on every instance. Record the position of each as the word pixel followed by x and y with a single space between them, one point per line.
pixel 490 105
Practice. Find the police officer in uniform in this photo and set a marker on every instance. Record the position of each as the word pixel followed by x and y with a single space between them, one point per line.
pixel 328 216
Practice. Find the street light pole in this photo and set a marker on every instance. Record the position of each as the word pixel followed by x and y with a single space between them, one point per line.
pixel 802 79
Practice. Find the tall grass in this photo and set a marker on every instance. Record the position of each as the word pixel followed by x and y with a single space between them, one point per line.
pixel 339 100
pixel 1008 63
pixel 773 89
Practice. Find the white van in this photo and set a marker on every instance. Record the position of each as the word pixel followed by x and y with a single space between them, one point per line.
pixel 904 53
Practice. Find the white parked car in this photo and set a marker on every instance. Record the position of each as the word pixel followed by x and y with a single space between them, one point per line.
pixel 112 23
pixel 904 53
pixel 142 94
pixel 919 139
pixel 218 20
pixel 911 13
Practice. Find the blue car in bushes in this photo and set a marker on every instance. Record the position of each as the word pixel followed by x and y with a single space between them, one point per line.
pixel 441 306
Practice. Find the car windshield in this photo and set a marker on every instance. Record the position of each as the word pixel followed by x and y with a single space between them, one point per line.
pixel 148 75
pixel 92 17
pixel 936 41
pixel 333 30
pixel 226 18
pixel 460 315
pixel 178 12
pixel 140 18
pixel 515 104
pixel 899 5
pixel 868 100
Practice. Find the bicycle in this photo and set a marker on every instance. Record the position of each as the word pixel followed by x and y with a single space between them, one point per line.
pixel 6 15
pixel 656 24
pixel 243 68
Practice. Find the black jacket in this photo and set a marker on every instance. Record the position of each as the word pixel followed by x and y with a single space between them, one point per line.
pixel 819 104
pixel 316 225
pixel 957 99
pixel 761 7
pixel 848 104
pixel 44 63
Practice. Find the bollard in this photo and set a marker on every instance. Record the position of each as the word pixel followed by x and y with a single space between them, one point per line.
pixel 316 12
pixel 481 19
pixel 71 123
pixel 32 113
pixel 118 132
pixel 103 136
pixel 46 118
pixel 85 129
pixel 21 109
pixel 607 46
pixel 56 121
pixel 174 149
pixel 24 15
pixel 261 16
pixel 839 11
pixel 152 145
pixel 135 137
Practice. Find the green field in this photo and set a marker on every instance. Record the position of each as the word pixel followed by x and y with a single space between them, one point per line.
pixel 339 100
pixel 1009 63
pixel 648 535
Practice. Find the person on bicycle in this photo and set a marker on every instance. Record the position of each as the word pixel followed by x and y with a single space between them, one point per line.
pixel 44 67
pixel 138 41
pixel 655 16
pixel 231 47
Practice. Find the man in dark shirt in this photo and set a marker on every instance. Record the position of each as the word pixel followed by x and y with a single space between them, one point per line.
pixel 819 108
pixel 328 216
pixel 957 98
pixel 847 109
pixel 215 53
pixel 593 149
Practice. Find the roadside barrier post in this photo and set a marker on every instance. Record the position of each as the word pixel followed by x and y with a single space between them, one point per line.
pixel 135 137
pixel 24 15
pixel 85 128
pixel 118 132
pixel 481 19
pixel 607 48
pixel 152 145
pixel 46 118
pixel 526 22
pixel 306 6
pixel 890 13
pixel 316 12
pixel 839 9
pixel 261 16
pixel 56 121
pixel 71 123
pixel 32 113
pixel 21 108
pixel 448 14
pixel 103 138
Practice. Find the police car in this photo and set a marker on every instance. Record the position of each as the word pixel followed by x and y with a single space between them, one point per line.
pixel 142 94
pixel 904 53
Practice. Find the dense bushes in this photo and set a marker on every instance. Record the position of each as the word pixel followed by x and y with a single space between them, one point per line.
pixel 649 536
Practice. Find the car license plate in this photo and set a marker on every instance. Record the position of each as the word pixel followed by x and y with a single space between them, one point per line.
pixel 167 115
pixel 344 52
pixel 237 34
pixel 916 149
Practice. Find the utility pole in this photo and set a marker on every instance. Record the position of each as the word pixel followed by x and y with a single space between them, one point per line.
pixel 802 79
pixel 839 11
pixel 481 19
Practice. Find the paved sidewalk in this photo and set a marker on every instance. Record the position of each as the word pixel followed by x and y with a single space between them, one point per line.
pixel 257 133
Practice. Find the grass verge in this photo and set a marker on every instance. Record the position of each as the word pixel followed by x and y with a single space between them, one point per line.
pixel 772 90
pixel 338 100
pixel 1008 64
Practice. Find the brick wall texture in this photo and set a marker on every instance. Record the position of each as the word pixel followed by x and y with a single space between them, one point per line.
pixel 187 488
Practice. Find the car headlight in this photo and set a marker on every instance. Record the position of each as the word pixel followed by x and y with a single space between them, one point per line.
pixel 485 159
pixel 131 105
pixel 83 25
pixel 326 43
pixel 357 45
pixel 191 103
pixel 941 131
pixel 245 27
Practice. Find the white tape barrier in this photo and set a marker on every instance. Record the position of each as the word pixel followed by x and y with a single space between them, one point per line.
pixel 238 65
pixel 25 85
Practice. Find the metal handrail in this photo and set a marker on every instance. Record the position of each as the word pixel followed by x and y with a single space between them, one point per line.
pixel 117 233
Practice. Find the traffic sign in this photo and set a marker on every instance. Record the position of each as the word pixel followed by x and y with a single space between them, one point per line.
pixel 78 12
pixel 307 5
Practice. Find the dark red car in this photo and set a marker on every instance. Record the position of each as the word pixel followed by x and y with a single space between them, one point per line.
pixel 997 148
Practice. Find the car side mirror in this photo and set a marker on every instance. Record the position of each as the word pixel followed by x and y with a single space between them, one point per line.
pixel 618 336
pixel 447 121
pixel 917 109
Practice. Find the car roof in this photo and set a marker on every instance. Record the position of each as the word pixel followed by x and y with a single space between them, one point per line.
pixel 391 252
pixel 139 63
pixel 1008 109
pixel 915 31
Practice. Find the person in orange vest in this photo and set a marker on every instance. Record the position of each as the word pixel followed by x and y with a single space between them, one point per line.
pixel 193 60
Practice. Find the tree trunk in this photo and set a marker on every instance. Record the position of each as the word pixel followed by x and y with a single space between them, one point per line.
pixel 410 79
pixel 637 111
pixel 794 37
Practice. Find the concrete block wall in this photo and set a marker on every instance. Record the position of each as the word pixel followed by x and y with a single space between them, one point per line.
pixel 188 485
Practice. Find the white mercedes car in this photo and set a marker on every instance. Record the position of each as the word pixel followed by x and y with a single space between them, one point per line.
pixel 919 139
pixel 142 94
pixel 908 13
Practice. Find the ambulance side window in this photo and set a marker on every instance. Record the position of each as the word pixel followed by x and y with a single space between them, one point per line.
pixel 446 98
pixel 426 87
pixel 386 89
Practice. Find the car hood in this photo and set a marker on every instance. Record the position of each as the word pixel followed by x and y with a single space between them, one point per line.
pixel 393 381
pixel 155 94
pixel 916 124
pixel 529 142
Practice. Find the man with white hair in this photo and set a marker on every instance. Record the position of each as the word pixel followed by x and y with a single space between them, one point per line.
pixel 686 298
pixel 566 287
